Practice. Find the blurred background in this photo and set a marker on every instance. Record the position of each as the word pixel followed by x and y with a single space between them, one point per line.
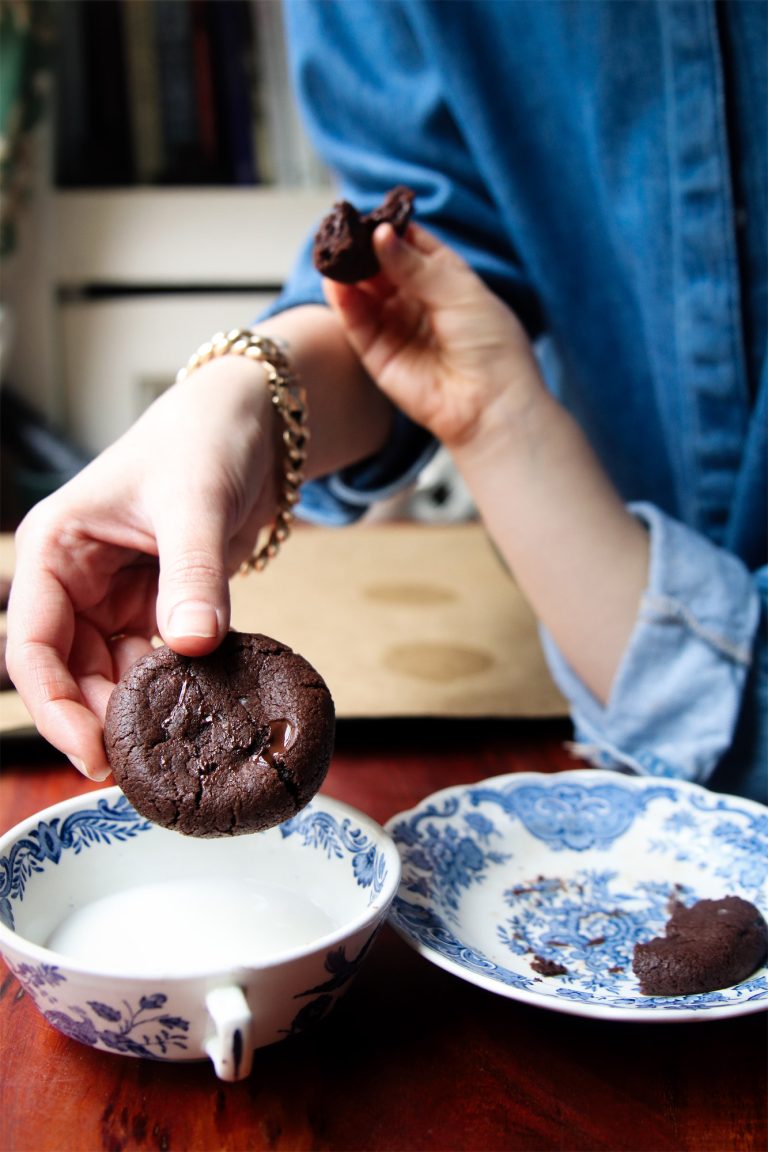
pixel 156 183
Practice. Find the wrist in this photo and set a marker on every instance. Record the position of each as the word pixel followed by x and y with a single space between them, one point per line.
pixel 287 399
pixel 511 427
pixel 351 416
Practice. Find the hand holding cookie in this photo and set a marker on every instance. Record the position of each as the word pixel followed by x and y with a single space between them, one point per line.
pixel 438 343
pixel 143 540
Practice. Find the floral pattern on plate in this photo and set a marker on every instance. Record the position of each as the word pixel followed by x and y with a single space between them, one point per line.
pixel 538 887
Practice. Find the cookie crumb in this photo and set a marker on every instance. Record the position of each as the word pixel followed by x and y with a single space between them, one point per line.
pixel 547 967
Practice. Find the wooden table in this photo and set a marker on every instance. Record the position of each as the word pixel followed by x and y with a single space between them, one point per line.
pixel 412 1057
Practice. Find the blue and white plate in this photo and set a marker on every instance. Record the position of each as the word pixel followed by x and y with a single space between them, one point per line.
pixel 574 869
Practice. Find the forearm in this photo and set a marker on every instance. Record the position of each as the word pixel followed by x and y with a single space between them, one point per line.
pixel 456 360
pixel 579 556
pixel 349 417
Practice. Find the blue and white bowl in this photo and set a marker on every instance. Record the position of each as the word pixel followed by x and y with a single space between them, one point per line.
pixel 574 869
pixel 134 939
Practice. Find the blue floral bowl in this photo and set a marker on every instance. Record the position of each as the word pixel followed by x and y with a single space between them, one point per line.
pixel 133 939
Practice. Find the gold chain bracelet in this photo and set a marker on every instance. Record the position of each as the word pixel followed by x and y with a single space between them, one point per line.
pixel 290 402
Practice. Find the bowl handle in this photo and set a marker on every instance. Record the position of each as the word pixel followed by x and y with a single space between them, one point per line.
pixel 231 1046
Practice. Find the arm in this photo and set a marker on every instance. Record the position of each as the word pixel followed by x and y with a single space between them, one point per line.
pixel 145 538
pixel 651 630
pixel 448 352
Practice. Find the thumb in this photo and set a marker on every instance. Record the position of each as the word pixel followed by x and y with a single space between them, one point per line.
pixel 193 604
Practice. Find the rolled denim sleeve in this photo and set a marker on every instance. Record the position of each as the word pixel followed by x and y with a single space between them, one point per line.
pixel 343 497
pixel 679 691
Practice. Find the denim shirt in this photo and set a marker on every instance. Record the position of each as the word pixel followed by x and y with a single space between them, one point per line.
pixel 603 167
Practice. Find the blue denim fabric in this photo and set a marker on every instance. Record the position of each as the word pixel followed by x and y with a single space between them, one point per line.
pixel 343 497
pixel 603 167
pixel 692 638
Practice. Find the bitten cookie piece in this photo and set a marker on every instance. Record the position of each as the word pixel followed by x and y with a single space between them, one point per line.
pixel 713 944
pixel 224 744
pixel 343 247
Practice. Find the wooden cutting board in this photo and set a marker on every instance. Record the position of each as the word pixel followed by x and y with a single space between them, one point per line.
pixel 400 619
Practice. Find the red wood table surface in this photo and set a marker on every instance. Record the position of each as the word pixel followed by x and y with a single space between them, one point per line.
pixel 412 1057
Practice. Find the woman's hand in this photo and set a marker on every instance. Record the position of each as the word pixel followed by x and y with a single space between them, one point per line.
pixel 448 352
pixel 191 482
pixel 439 344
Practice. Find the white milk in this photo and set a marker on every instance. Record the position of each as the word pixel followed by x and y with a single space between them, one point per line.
pixel 183 926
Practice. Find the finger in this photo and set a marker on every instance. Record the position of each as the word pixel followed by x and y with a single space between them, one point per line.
pixel 419 238
pixel 420 265
pixel 378 287
pixel 358 310
pixel 97 685
pixel 126 650
pixel 97 664
pixel 61 716
pixel 376 331
pixel 60 709
pixel 40 635
pixel 193 606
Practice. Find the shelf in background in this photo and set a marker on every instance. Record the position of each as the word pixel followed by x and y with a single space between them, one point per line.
pixel 153 237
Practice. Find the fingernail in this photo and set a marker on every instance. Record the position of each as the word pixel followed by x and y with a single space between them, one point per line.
pixel 398 238
pixel 95 774
pixel 389 238
pixel 193 618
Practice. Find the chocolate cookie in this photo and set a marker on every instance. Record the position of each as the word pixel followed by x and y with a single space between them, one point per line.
pixel 218 745
pixel 713 944
pixel 343 247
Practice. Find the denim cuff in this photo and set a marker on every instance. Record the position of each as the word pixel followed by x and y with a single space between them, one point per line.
pixel 677 694
pixel 345 496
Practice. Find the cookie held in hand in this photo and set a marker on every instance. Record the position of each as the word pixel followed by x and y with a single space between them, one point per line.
pixel 224 744
pixel 343 248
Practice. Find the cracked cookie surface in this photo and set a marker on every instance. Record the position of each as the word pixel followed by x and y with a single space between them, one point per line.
pixel 224 744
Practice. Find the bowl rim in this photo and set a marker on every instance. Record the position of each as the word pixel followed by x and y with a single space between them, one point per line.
pixel 39 953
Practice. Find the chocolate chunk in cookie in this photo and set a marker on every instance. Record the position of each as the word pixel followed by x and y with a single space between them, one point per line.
pixel 343 248
pixel 224 744
pixel 713 944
